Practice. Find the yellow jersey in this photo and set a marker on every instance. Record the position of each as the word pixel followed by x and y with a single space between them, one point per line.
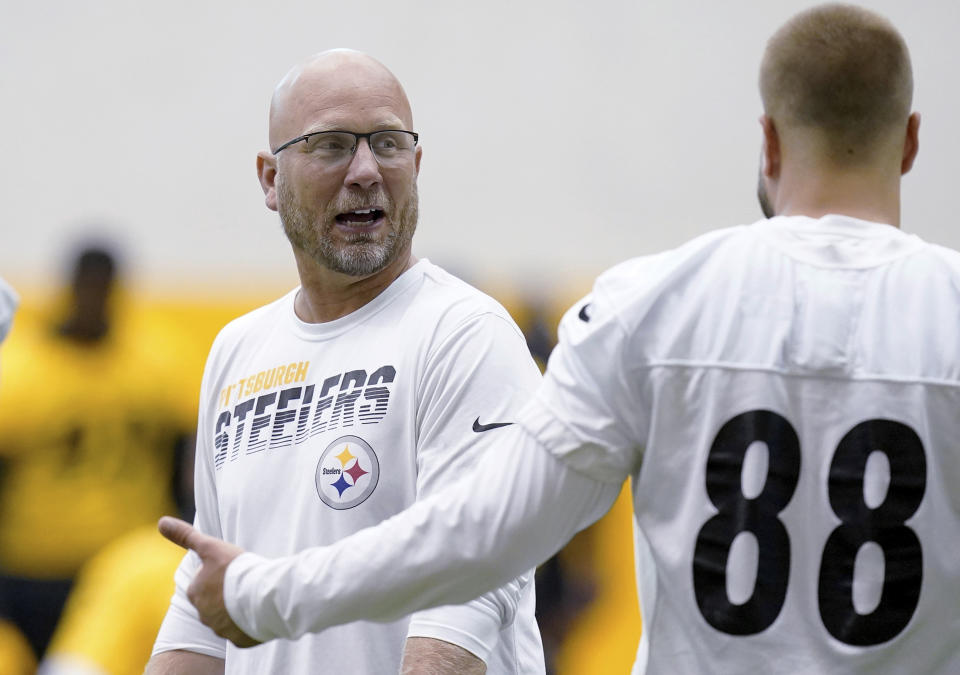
pixel 16 655
pixel 115 609
pixel 87 433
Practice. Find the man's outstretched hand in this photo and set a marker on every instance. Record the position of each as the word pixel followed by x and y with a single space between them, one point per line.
pixel 206 590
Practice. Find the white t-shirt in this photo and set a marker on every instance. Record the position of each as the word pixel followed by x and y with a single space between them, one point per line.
pixel 310 432
pixel 785 398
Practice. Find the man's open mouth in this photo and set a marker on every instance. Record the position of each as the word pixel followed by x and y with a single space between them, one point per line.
pixel 360 217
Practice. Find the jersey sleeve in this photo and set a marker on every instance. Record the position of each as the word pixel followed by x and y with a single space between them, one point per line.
pixel 8 305
pixel 590 411
pixel 181 628
pixel 517 507
pixel 473 386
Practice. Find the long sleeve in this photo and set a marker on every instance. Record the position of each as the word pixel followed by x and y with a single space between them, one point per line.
pixel 519 506
pixel 481 369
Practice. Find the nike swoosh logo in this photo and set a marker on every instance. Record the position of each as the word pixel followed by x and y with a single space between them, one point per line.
pixel 583 313
pixel 487 427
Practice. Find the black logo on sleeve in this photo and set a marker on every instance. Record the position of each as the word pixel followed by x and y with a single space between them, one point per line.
pixel 584 316
pixel 487 427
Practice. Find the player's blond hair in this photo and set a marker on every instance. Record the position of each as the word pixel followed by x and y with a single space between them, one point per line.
pixel 843 71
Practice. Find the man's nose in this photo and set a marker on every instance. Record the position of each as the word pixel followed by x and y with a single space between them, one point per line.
pixel 363 171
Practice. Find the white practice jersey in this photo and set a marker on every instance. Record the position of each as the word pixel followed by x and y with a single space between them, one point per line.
pixel 310 432
pixel 786 399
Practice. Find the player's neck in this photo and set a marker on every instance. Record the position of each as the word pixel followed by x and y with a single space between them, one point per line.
pixel 326 295
pixel 873 196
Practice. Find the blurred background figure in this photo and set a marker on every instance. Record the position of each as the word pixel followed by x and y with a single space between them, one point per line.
pixel 120 597
pixel 16 657
pixel 91 416
pixel 116 606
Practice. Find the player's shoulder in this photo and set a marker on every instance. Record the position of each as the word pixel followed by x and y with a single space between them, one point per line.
pixel 251 330
pixel 451 300
pixel 925 272
pixel 947 259
pixel 929 282
pixel 627 294
pixel 264 317
pixel 638 277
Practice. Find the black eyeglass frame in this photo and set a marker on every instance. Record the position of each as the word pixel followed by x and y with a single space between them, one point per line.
pixel 356 137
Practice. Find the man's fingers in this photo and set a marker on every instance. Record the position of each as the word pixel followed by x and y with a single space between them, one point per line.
pixel 180 533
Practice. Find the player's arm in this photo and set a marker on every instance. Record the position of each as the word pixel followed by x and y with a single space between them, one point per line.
pixel 478 374
pixel 181 662
pixel 523 503
pixel 545 479
pixel 427 656
pixel 517 508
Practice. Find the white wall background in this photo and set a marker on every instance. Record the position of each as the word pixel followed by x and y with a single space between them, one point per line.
pixel 560 136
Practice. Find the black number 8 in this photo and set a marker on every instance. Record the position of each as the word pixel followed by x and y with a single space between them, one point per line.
pixel 884 525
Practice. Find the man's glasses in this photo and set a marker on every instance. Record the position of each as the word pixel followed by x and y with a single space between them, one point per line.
pixel 391 147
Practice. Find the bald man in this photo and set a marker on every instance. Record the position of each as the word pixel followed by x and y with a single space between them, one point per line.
pixel 378 381
pixel 784 397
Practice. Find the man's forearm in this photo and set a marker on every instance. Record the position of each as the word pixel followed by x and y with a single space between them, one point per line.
pixel 427 656
pixel 182 662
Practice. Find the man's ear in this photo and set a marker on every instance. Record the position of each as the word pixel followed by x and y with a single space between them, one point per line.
pixel 911 144
pixel 416 158
pixel 267 173
pixel 771 148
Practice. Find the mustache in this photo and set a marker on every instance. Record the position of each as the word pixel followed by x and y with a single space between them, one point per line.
pixel 354 201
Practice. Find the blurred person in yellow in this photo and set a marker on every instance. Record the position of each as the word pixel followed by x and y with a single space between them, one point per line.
pixel 90 415
pixel 16 657
pixel 120 597
pixel 115 608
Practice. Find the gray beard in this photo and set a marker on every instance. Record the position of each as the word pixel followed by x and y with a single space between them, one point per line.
pixel 361 255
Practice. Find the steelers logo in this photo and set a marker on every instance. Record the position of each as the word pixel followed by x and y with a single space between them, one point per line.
pixel 347 473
